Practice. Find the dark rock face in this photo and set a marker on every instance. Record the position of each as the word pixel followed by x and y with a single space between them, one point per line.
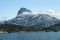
pixel 23 10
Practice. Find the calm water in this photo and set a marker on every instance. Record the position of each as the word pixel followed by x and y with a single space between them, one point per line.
pixel 31 36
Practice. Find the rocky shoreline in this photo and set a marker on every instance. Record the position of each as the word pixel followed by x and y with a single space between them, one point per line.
pixel 3 32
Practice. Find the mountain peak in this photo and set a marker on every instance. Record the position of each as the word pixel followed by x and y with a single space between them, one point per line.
pixel 23 10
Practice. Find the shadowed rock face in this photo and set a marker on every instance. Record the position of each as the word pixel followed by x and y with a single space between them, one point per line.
pixel 55 28
pixel 23 10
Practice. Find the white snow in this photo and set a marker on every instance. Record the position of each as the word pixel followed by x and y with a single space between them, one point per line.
pixel 49 12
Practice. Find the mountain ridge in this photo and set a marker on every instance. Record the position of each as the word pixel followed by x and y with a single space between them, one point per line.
pixel 26 18
pixel 26 21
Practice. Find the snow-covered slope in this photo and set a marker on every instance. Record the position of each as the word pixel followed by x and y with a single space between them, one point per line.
pixel 27 18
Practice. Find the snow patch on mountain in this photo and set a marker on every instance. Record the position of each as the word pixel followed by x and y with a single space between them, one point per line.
pixel 50 12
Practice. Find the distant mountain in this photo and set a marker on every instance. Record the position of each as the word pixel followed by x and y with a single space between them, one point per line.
pixel 27 19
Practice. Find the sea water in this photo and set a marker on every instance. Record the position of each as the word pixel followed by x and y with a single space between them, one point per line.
pixel 31 36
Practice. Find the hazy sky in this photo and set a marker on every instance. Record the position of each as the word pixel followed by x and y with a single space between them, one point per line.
pixel 9 8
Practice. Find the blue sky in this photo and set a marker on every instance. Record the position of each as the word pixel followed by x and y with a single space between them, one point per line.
pixel 9 8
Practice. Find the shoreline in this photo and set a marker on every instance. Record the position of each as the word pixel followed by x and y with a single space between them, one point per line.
pixel 4 32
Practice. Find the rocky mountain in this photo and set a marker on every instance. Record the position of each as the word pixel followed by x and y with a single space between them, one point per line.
pixel 23 10
pixel 27 19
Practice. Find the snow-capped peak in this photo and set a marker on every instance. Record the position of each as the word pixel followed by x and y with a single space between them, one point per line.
pixel 24 11
pixel 37 18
